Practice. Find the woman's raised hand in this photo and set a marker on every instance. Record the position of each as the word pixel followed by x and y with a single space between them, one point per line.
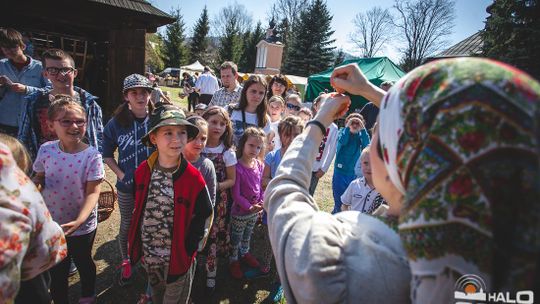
pixel 333 106
pixel 349 78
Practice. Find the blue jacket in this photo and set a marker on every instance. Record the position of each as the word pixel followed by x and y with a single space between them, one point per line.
pixel 34 96
pixel 348 150
pixel 131 152
pixel 13 104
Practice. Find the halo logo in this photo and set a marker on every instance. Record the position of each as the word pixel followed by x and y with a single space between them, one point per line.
pixel 471 289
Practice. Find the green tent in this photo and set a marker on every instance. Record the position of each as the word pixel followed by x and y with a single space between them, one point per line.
pixel 377 71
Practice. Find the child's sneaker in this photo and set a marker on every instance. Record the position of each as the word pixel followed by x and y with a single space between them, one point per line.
pixel 88 300
pixel 277 293
pixel 236 270
pixel 256 273
pixel 250 260
pixel 144 299
pixel 72 268
pixel 210 286
pixel 125 273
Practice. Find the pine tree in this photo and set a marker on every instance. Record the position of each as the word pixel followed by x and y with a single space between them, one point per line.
pixel 310 50
pixel 153 52
pixel 284 32
pixel 175 52
pixel 249 56
pixel 199 43
pixel 512 34
pixel 340 57
pixel 231 45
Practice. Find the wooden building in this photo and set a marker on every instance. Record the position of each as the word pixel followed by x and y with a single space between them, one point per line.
pixel 105 37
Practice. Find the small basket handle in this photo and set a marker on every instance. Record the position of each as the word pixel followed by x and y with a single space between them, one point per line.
pixel 115 196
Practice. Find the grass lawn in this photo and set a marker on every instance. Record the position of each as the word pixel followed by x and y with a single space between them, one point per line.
pixel 173 94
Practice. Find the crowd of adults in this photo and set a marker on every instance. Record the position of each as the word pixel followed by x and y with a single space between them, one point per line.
pixel 436 178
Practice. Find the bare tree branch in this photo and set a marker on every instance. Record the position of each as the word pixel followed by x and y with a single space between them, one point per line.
pixel 288 9
pixel 423 24
pixel 372 30
pixel 236 12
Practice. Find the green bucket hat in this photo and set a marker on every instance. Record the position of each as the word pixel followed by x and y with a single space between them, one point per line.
pixel 168 115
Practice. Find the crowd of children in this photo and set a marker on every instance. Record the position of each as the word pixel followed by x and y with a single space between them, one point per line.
pixel 185 184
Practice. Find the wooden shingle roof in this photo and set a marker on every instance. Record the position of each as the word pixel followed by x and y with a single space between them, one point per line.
pixel 471 46
pixel 140 6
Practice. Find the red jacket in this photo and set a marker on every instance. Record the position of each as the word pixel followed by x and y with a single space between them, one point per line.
pixel 192 208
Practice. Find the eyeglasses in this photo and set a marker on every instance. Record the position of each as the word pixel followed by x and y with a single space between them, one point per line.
pixel 278 84
pixel 64 71
pixel 66 123
pixel 293 107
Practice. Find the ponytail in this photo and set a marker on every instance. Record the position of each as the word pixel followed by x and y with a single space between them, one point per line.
pixel 123 115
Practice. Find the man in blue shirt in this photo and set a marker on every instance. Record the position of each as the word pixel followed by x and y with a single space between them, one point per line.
pixel 17 70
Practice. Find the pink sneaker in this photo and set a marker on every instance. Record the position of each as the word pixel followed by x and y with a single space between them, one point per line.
pixel 236 270
pixel 250 260
pixel 125 273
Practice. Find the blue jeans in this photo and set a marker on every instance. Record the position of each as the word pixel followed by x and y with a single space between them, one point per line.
pixel 340 182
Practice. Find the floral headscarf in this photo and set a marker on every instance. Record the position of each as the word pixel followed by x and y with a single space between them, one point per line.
pixel 460 139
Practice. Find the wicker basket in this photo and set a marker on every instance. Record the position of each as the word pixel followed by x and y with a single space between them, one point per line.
pixel 107 199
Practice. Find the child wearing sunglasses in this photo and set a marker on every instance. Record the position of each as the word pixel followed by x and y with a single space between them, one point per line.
pixel 59 69
pixel 293 105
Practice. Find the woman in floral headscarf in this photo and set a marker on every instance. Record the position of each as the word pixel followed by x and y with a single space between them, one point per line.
pixel 457 158
pixel 30 241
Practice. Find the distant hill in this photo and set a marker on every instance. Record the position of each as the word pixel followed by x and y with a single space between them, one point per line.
pixel 349 56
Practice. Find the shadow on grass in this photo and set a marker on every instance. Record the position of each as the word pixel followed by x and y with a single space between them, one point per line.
pixel 228 290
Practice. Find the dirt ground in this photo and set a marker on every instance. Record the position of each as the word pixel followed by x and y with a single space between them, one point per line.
pixel 229 290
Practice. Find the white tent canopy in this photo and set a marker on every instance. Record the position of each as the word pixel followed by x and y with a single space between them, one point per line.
pixel 297 80
pixel 194 67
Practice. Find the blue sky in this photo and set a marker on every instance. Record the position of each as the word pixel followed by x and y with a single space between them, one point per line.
pixel 470 16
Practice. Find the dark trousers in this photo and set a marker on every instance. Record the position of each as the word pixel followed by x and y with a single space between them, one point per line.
pixel 35 291
pixel 313 183
pixel 205 98
pixel 193 99
pixel 80 249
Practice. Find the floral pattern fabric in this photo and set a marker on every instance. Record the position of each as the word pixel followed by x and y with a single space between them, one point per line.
pixel 219 239
pixel 467 156
pixel 30 241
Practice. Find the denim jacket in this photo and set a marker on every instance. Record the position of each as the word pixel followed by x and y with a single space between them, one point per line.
pixel 12 103
pixel 94 129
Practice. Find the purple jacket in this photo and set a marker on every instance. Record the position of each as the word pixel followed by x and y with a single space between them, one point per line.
pixel 247 189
